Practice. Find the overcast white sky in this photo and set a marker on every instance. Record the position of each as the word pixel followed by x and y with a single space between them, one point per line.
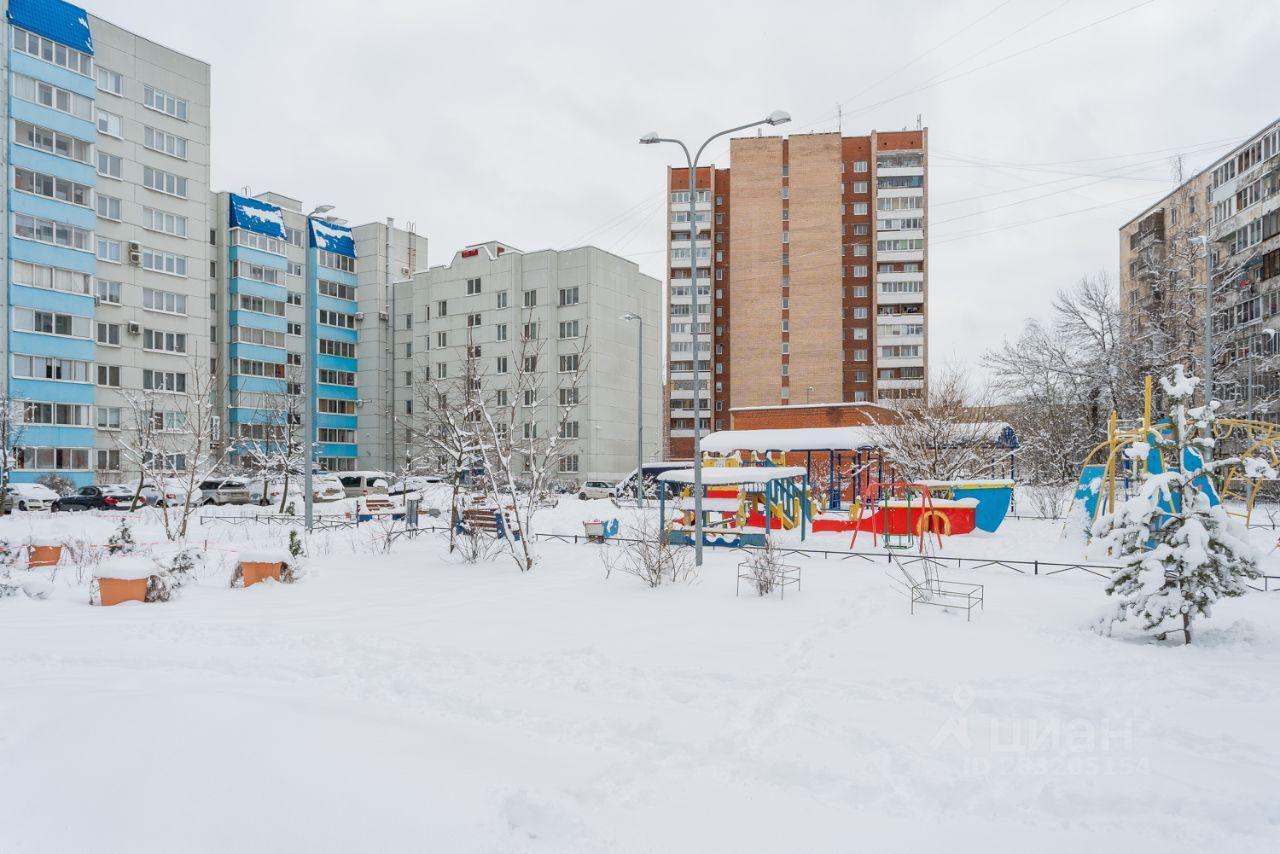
pixel 518 121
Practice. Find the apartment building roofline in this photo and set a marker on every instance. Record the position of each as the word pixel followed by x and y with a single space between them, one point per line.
pixel 136 34
pixel 849 404
pixel 513 250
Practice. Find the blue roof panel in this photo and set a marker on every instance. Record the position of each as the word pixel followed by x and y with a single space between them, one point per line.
pixel 253 215
pixel 54 19
pixel 332 238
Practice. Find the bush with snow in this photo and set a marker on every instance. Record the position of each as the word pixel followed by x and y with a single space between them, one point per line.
pixel 1178 554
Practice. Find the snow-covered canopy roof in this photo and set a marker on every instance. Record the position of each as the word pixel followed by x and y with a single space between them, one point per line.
pixel 714 476
pixel 790 439
pixel 332 238
pixel 255 215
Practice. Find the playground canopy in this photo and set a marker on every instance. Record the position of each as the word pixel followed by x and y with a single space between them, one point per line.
pixel 851 438
pixel 733 476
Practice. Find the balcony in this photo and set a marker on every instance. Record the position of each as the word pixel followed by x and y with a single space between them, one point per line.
pixel 899 384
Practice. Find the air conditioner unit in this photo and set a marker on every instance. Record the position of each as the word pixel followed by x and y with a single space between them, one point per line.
pixel 135 328
pixel 135 252
pixel 97 301
pixel 359 404
pixel 404 271
pixel 359 315
pixel 382 315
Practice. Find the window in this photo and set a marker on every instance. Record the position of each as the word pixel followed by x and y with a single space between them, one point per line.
pixel 859 355
pixel 110 81
pixel 109 165
pixel 568 329
pixel 48 95
pixel 336 435
pixel 262 305
pixel 530 331
pixel 442 339
pixel 500 332
pixel 109 123
pixel 861 187
pixel 54 233
pixel 164 342
pixel 265 337
pixel 50 278
pixel 108 334
pixel 50 51
pixel 442 370
pixel 170 381
pixel 569 462
pixel 530 397
pixel 860 313
pixel 166 301
pixel 293 298
pixel 334 261
pixel 165 103
pixel 107 291
pixel 568 397
pixel 108 207
pixel 331 377
pixel 294 359
pixel 530 299
pixel 164 262
pixel 168 223
pixel 473 320
pixel 568 296
pixel 52 142
pixel 294 328
pixel 500 365
pixel 55 414
pixel 442 308
pixel 473 287
pixel 165 182
pixel 335 290
pixel 408 321
pixel 502 299
pixel 50 368
pixel 108 460
pixel 254 240
pixel 108 418
pixel 500 397
pixel 345 349
pixel 569 363
pixel 165 143
pixel 57 459
pixel 51 187
pixel 255 368
pixel 530 364
pixel 860 165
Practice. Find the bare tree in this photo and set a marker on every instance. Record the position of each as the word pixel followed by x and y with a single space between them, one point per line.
pixel 944 437
pixel 141 440
pixel 12 421
pixel 279 449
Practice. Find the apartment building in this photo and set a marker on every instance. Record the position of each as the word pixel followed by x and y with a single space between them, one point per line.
pixel 809 255
pixel 1236 203
pixel 572 304
pixel 105 232
pixel 269 253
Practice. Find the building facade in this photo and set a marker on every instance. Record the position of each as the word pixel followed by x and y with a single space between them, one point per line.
pixel 571 303
pixel 105 232
pixel 810 258
pixel 1235 202
pixel 269 254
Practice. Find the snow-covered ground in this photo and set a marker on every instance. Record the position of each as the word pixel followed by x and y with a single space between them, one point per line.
pixel 407 702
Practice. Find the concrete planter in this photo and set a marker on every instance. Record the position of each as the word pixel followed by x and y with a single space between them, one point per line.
pixel 113 591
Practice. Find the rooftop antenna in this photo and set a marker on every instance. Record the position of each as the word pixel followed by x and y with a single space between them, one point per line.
pixel 919 121
pixel 248 191
pixel 840 119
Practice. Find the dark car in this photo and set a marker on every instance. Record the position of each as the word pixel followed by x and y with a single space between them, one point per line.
pixel 96 498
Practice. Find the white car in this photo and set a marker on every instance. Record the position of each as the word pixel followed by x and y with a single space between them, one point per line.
pixel 267 492
pixel 31 496
pixel 326 487
pixel 596 489
pixel 414 483
pixel 170 492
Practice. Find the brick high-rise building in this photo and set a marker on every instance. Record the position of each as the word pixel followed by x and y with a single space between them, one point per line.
pixel 810 261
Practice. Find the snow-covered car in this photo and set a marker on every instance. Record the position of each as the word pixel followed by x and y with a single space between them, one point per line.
pixel 170 492
pixel 326 487
pixel 596 489
pixel 358 484
pixel 31 496
pixel 413 483
pixel 266 492
pixel 223 490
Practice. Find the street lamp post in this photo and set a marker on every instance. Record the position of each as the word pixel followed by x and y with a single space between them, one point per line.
pixel 629 316
pixel 309 387
pixel 777 117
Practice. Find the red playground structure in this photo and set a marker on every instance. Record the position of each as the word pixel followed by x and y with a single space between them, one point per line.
pixel 902 512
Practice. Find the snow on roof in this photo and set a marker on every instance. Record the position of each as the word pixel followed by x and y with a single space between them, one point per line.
pixel 256 215
pixel 126 567
pixel 736 474
pixel 332 238
pixel 791 439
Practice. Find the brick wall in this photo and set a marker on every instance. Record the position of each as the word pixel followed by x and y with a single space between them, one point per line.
pixel 832 415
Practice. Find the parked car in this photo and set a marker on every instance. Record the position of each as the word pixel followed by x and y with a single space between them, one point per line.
pixel 224 490
pixel 414 483
pixel 267 492
pixel 109 497
pixel 357 484
pixel 170 492
pixel 31 496
pixel 596 489
pixel 326 487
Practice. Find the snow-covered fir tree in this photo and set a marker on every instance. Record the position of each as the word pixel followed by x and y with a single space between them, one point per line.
pixel 1178 554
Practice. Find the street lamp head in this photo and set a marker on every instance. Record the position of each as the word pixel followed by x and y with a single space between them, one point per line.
pixel 321 209
pixel 649 138
pixel 630 315
pixel 778 117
